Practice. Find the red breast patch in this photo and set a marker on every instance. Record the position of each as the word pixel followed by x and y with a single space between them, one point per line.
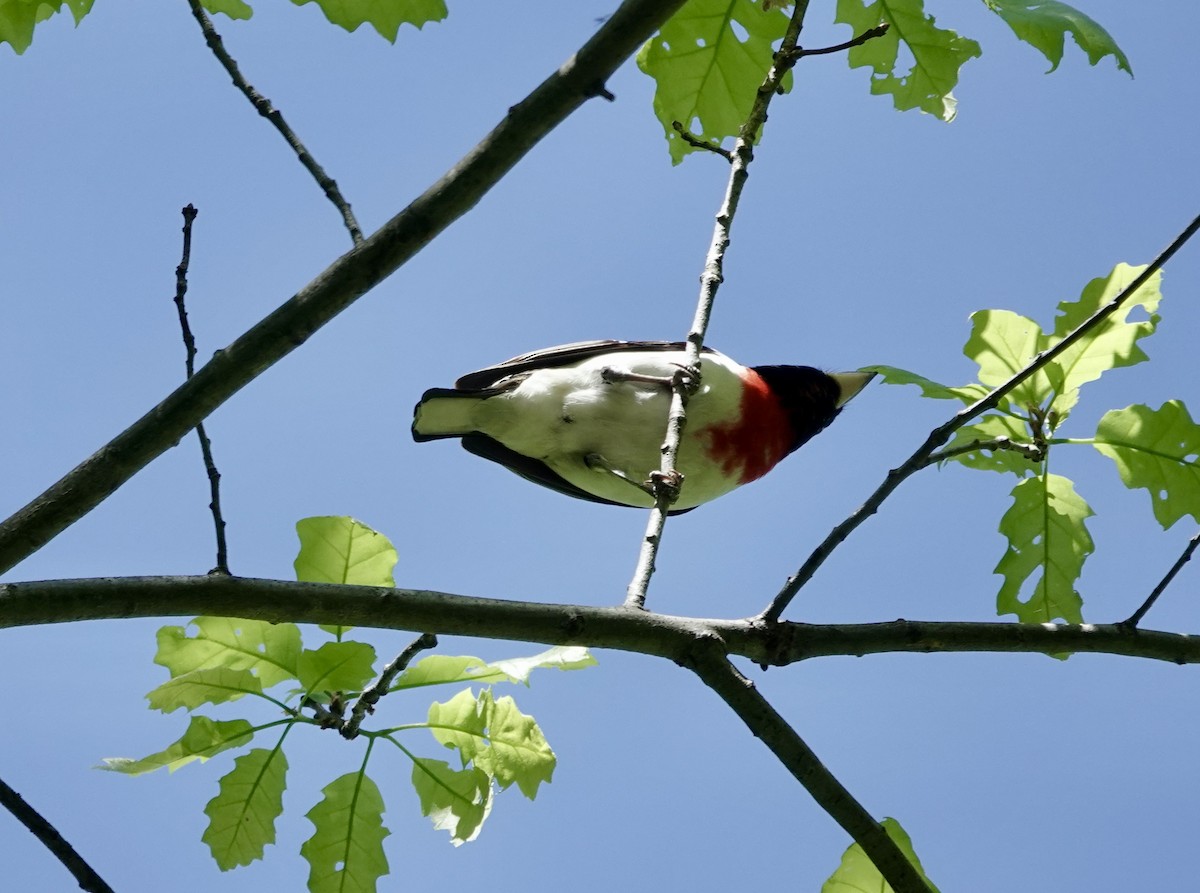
pixel 753 444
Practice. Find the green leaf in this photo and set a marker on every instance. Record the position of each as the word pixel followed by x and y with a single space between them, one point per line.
pixel 385 16
pixel 337 666
pixel 1045 23
pixel 345 853
pixel 858 874
pixel 968 394
pixel 562 657
pixel 458 801
pixel 518 751
pixel 1003 342
pixel 235 9
pixel 1047 541
pixel 18 17
pixel 269 650
pixel 241 818
pixel 991 428
pixel 937 54
pixel 204 739
pixel 496 737
pixel 706 74
pixel 1111 344
pixel 1159 451
pixel 336 549
pixel 216 685
pixel 442 669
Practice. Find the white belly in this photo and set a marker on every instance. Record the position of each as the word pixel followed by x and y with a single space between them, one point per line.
pixel 564 416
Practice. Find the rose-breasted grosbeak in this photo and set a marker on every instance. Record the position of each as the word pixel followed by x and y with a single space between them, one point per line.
pixel 588 419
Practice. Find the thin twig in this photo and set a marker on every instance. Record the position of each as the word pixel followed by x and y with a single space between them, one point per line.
pixel 345 280
pixel 710 282
pixel 870 34
pixel 744 698
pixel 189 343
pixel 1136 617
pixel 377 689
pixel 941 434
pixel 49 837
pixel 1032 452
pixel 692 140
pixel 263 106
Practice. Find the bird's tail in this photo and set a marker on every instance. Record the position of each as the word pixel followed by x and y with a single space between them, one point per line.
pixel 444 412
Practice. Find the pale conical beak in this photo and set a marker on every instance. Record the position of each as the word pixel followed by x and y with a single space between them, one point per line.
pixel 850 383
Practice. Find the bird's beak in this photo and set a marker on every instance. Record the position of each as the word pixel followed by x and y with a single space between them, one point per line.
pixel 850 383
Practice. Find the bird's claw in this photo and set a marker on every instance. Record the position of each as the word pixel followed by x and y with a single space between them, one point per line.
pixel 665 485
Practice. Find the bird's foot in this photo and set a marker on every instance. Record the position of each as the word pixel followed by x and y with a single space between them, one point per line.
pixel 685 377
pixel 665 486
pixel 599 463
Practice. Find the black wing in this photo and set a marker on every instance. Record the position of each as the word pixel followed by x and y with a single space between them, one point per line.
pixel 533 470
pixel 563 355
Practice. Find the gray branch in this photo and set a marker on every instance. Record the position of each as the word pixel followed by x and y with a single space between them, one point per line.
pixel 744 699
pixel 643 632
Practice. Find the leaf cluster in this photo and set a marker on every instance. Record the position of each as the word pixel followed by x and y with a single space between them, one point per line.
pixel 1046 523
pixel 222 660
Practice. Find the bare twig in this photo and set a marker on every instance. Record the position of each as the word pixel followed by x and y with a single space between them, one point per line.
pixel 1136 617
pixel 692 140
pixel 335 289
pixel 870 34
pixel 1032 452
pixel 263 106
pixel 941 434
pixel 49 837
pixel 377 689
pixel 710 282
pixel 189 343
pixel 831 795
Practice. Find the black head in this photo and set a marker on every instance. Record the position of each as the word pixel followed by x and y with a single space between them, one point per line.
pixel 811 398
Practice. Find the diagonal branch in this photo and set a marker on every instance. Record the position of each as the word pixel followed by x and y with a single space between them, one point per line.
pixel 49 837
pixel 263 106
pixel 941 434
pixel 640 632
pixel 710 282
pixel 744 698
pixel 377 689
pixel 343 282
pixel 1136 617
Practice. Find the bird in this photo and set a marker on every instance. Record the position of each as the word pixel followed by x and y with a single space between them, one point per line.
pixel 588 419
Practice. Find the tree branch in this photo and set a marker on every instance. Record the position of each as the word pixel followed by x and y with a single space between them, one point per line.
pixel 711 665
pixel 641 632
pixel 263 106
pixel 377 689
pixel 189 343
pixel 710 282
pixel 941 434
pixel 49 837
pixel 1136 617
pixel 342 283
pixel 870 34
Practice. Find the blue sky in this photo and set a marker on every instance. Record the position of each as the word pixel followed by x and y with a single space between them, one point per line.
pixel 865 236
